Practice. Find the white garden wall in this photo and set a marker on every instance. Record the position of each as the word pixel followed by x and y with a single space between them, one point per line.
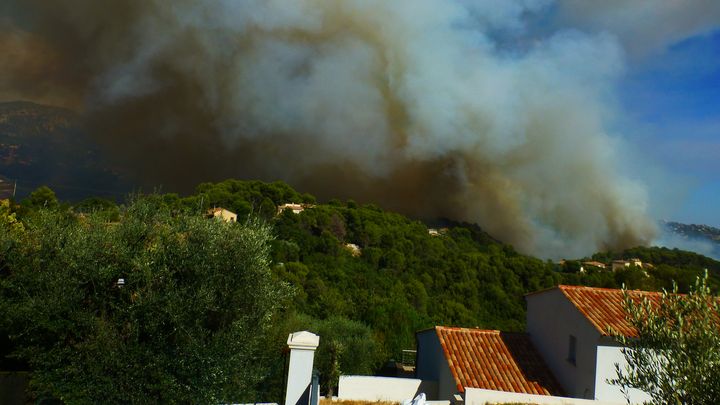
pixel 476 396
pixel 369 388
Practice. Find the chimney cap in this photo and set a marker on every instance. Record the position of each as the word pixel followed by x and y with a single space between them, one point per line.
pixel 303 340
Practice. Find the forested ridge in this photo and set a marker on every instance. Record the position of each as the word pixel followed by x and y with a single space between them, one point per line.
pixel 367 279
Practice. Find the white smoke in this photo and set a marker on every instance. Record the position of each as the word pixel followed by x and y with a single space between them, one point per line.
pixel 513 138
pixel 643 26
pixel 671 240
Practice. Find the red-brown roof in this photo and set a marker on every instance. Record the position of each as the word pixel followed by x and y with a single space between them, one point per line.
pixel 496 360
pixel 603 307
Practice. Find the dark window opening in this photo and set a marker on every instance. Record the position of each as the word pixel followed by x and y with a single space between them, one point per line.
pixel 572 349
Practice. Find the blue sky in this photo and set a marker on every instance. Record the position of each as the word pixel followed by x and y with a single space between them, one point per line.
pixel 671 99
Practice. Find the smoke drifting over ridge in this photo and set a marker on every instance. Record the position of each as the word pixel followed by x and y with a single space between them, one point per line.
pixel 433 108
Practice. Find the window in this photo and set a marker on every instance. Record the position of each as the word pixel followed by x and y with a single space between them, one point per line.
pixel 572 348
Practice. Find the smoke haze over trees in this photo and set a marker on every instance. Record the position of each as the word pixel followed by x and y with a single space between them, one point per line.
pixel 433 108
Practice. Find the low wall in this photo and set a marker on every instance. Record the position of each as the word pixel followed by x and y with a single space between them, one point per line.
pixel 370 388
pixel 476 396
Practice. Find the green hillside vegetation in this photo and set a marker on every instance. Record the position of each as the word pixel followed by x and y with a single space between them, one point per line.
pixel 401 280
pixel 158 307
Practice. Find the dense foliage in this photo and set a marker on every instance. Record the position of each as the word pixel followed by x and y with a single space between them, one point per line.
pixel 676 355
pixel 357 270
pixel 670 266
pixel 159 307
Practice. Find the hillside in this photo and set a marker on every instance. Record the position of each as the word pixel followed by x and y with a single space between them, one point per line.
pixel 702 234
pixel 376 266
pixel 695 231
pixel 397 276
pixel 358 270
pixel 41 145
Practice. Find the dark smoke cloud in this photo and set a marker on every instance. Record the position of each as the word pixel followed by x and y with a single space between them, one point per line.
pixel 30 68
pixel 411 104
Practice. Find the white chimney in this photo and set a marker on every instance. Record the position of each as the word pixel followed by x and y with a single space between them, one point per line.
pixel 302 353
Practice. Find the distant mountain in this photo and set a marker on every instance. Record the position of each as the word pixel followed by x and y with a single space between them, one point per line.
pixel 42 145
pixel 7 188
pixel 707 238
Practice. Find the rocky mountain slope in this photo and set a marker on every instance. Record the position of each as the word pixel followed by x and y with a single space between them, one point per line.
pixel 707 237
pixel 706 232
pixel 42 145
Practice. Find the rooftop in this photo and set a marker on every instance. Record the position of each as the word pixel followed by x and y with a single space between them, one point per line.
pixel 495 360
pixel 603 307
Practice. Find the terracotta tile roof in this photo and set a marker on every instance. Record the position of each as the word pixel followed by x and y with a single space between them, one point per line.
pixel 603 307
pixel 496 360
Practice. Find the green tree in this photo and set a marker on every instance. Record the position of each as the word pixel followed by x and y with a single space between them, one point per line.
pixel 108 208
pixel 8 219
pixel 42 197
pixel 160 307
pixel 346 347
pixel 675 357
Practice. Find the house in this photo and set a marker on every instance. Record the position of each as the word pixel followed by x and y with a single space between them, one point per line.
pixel 599 265
pixel 457 359
pixel 623 264
pixel 294 207
pixel 223 214
pixel 568 350
pixel 570 326
pixel 354 249
pixel 437 232
pixel 567 355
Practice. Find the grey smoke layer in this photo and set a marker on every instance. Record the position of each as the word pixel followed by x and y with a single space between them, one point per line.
pixel 430 107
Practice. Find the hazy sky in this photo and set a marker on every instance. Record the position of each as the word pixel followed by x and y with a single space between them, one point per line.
pixel 669 93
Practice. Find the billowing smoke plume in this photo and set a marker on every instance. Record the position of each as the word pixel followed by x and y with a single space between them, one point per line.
pixel 643 26
pixel 431 107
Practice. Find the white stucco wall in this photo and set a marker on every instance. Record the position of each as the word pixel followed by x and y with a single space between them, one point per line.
pixel 551 319
pixel 431 364
pixel 475 396
pixel 607 357
pixel 370 388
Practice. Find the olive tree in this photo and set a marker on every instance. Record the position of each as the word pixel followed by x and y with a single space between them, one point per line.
pixel 675 357
pixel 158 307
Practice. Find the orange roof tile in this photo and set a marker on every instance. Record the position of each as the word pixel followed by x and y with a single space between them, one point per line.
pixel 603 307
pixel 496 360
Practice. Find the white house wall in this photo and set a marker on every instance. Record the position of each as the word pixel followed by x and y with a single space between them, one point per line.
pixel 607 357
pixel 431 364
pixel 551 319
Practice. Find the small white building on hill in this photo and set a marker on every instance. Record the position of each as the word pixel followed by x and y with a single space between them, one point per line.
pixel 294 207
pixel 623 264
pixel 222 214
